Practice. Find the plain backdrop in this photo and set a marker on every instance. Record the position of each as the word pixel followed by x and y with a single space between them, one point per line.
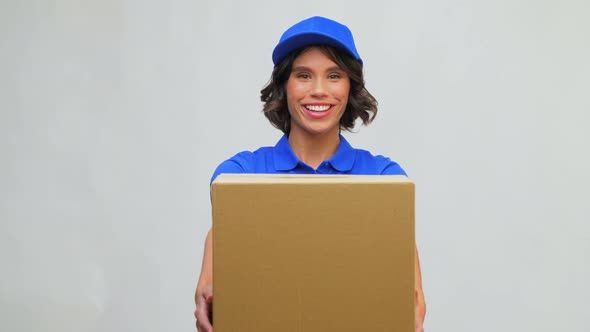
pixel 114 114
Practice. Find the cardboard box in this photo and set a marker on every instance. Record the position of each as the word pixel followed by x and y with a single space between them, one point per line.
pixel 313 253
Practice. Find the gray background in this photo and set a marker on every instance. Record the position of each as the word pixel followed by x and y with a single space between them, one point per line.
pixel 113 115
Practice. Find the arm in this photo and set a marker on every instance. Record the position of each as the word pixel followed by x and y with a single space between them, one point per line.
pixel 204 292
pixel 393 168
pixel 420 304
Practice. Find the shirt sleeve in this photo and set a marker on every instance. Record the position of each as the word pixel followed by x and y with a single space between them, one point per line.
pixel 390 167
pixel 240 163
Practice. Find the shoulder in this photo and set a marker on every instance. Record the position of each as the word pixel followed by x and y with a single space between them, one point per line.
pixel 242 162
pixel 377 164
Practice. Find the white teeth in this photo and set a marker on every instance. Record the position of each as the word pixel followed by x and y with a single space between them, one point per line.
pixel 318 108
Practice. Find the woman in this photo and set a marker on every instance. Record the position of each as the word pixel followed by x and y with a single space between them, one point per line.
pixel 316 89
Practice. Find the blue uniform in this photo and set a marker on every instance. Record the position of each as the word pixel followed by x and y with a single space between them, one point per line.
pixel 280 159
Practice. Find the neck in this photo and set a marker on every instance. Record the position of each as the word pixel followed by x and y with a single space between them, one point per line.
pixel 314 149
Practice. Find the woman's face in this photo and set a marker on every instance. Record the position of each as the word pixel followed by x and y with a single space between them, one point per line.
pixel 317 94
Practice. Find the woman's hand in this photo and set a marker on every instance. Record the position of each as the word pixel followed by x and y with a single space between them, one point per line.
pixel 420 310
pixel 419 323
pixel 204 312
pixel 420 303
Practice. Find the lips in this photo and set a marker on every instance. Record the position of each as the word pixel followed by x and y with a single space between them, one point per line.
pixel 318 111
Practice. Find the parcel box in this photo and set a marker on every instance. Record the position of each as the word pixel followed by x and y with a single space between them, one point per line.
pixel 313 253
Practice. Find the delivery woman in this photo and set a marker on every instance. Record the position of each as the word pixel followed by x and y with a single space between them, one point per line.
pixel 316 90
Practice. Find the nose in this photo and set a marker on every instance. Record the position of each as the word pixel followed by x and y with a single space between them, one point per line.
pixel 318 89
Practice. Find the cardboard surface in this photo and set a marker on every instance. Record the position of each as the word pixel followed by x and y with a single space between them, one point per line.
pixel 313 253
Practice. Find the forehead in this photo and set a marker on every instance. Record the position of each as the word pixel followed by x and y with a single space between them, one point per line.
pixel 315 55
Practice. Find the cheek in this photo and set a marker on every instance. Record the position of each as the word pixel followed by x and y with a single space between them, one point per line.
pixel 295 91
pixel 346 90
pixel 291 101
pixel 342 91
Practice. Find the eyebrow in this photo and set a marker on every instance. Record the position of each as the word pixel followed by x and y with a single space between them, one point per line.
pixel 304 68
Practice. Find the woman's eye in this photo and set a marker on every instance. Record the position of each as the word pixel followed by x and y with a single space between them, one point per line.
pixel 333 76
pixel 303 75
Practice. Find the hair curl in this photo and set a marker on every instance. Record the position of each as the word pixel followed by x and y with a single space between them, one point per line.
pixel 361 104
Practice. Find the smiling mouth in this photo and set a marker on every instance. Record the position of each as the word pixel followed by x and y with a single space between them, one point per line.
pixel 317 108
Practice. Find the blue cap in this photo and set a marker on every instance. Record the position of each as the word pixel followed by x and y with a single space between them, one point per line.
pixel 315 31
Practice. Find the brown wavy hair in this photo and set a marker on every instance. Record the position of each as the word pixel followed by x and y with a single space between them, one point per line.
pixel 361 104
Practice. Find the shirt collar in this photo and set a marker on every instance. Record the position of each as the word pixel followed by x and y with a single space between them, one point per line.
pixel 285 159
pixel 344 157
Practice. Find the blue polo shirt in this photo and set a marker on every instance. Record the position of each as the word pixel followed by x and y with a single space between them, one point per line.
pixel 280 159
